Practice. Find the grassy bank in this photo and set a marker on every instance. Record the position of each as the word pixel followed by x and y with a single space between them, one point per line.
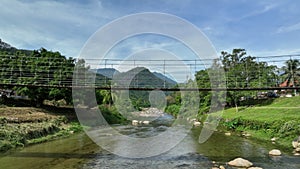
pixel 21 126
pixel 274 118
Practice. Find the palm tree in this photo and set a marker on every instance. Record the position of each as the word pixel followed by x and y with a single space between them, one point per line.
pixel 291 72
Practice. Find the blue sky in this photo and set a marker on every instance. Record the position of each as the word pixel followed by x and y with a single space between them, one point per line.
pixel 262 27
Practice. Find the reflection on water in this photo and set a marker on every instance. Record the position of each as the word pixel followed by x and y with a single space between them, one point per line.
pixel 79 151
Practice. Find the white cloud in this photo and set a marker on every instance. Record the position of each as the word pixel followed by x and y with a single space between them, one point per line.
pixel 66 25
pixel 264 9
pixel 290 28
pixel 55 25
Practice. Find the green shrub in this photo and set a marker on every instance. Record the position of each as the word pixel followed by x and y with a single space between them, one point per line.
pixel 232 124
pixel 5 145
pixel 111 115
pixel 173 109
pixel 289 128
pixel 76 127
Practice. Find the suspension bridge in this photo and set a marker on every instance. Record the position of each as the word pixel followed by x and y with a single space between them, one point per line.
pixel 52 73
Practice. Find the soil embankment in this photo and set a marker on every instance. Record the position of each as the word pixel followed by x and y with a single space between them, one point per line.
pixel 20 126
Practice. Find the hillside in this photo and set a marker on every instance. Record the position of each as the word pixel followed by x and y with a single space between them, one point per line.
pixel 108 72
pixel 165 78
pixel 141 77
pixel 6 48
pixel 4 45
pixel 274 118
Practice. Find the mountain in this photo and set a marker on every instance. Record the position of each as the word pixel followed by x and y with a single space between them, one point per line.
pixel 7 49
pixel 140 76
pixel 4 45
pixel 143 78
pixel 165 78
pixel 108 72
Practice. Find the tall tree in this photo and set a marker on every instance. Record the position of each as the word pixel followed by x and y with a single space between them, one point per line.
pixel 291 71
pixel 244 71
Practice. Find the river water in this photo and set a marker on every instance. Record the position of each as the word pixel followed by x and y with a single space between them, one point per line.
pixel 79 151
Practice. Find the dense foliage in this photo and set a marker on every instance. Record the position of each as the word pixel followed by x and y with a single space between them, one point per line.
pixel 241 71
pixel 40 67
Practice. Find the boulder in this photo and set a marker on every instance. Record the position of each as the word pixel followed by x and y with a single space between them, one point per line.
pixel 197 124
pixel 255 168
pixel 275 152
pixel 246 134
pixel 146 122
pixel 273 139
pixel 297 149
pixel 193 120
pixel 222 167
pixel 227 134
pixel 297 154
pixel 295 144
pixel 240 162
pixel 135 122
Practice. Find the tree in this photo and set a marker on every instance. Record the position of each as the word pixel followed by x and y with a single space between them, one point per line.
pixel 203 81
pixel 235 66
pixel 291 71
pixel 106 97
pixel 244 71
pixel 38 68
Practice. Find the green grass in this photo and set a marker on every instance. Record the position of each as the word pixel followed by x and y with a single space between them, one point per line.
pixel 73 127
pixel 266 114
pixel 278 118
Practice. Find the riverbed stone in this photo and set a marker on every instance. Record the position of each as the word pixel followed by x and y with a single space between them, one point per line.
pixel 240 162
pixel 275 152
pixel 222 167
pixel 193 120
pixel 295 144
pixel 297 154
pixel 146 122
pixel 246 134
pixel 227 134
pixel 197 124
pixel 135 122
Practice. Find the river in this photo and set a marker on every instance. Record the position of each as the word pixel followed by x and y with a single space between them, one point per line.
pixel 79 151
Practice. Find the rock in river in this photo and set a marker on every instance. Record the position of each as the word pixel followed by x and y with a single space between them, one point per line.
pixel 296 143
pixel 275 152
pixel 227 134
pixel 135 122
pixel 240 162
pixel 197 124
pixel 146 122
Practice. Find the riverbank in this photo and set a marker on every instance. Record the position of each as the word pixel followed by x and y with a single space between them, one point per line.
pixel 274 120
pixel 22 126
